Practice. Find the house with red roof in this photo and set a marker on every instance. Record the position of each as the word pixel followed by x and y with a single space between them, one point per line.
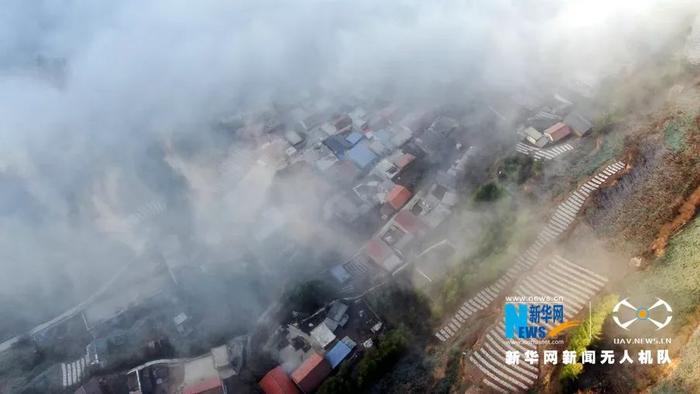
pixel 398 196
pixel 557 132
pixel 311 373
pixel 410 223
pixel 277 382
pixel 382 255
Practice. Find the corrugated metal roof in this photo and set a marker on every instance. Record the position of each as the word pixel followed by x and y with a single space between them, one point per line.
pixel 579 123
pixel 398 196
pixel 382 254
pixel 354 137
pixel 337 354
pixel 311 373
pixel 340 273
pixel 558 131
pixel 361 155
pixel 322 334
pixel 410 223
pixel 278 382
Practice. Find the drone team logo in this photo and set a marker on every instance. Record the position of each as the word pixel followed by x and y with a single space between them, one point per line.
pixel 642 314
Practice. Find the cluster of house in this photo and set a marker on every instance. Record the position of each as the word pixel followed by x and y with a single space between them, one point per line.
pixel 394 245
pixel 554 122
pixel 376 159
pixel 200 375
pixel 367 154
pixel 369 162
pixel 308 354
pixel 371 155
pixel 310 374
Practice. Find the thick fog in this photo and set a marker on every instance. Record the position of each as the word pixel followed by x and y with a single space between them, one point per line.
pixel 107 110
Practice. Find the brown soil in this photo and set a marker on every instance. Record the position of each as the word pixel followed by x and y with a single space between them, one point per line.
pixel 686 212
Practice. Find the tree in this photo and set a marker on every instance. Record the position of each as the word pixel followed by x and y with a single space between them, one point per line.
pixel 307 297
pixel 488 192
pixel 379 359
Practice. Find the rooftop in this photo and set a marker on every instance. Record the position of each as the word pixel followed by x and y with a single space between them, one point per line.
pixel 410 223
pixel 382 255
pixel 311 373
pixel 201 376
pixel 338 353
pixel 322 334
pixel 558 131
pixel 277 382
pixel 340 273
pixel 398 196
pixel 361 155
pixel 578 123
pixel 209 386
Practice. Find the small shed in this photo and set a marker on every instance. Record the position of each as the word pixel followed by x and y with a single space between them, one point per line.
pixel 535 137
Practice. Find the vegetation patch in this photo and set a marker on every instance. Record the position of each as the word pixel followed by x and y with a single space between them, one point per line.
pixel 451 373
pixel 373 364
pixel 584 335
pixel 519 169
pixel 631 213
pixel 306 298
pixel 507 232
pixel 675 277
pixel 414 313
pixel 488 192
pixel 685 377
pixel 608 148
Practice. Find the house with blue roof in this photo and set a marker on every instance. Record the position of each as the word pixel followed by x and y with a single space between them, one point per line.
pixel 340 274
pixel 340 351
pixel 338 145
pixel 362 156
pixel 354 137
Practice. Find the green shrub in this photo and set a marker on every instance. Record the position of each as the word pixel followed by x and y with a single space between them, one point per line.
pixel 589 331
pixel 570 371
pixel 675 133
pixel 487 192
pixel 520 168
pixel 307 297
pixel 379 359
pixel 373 364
